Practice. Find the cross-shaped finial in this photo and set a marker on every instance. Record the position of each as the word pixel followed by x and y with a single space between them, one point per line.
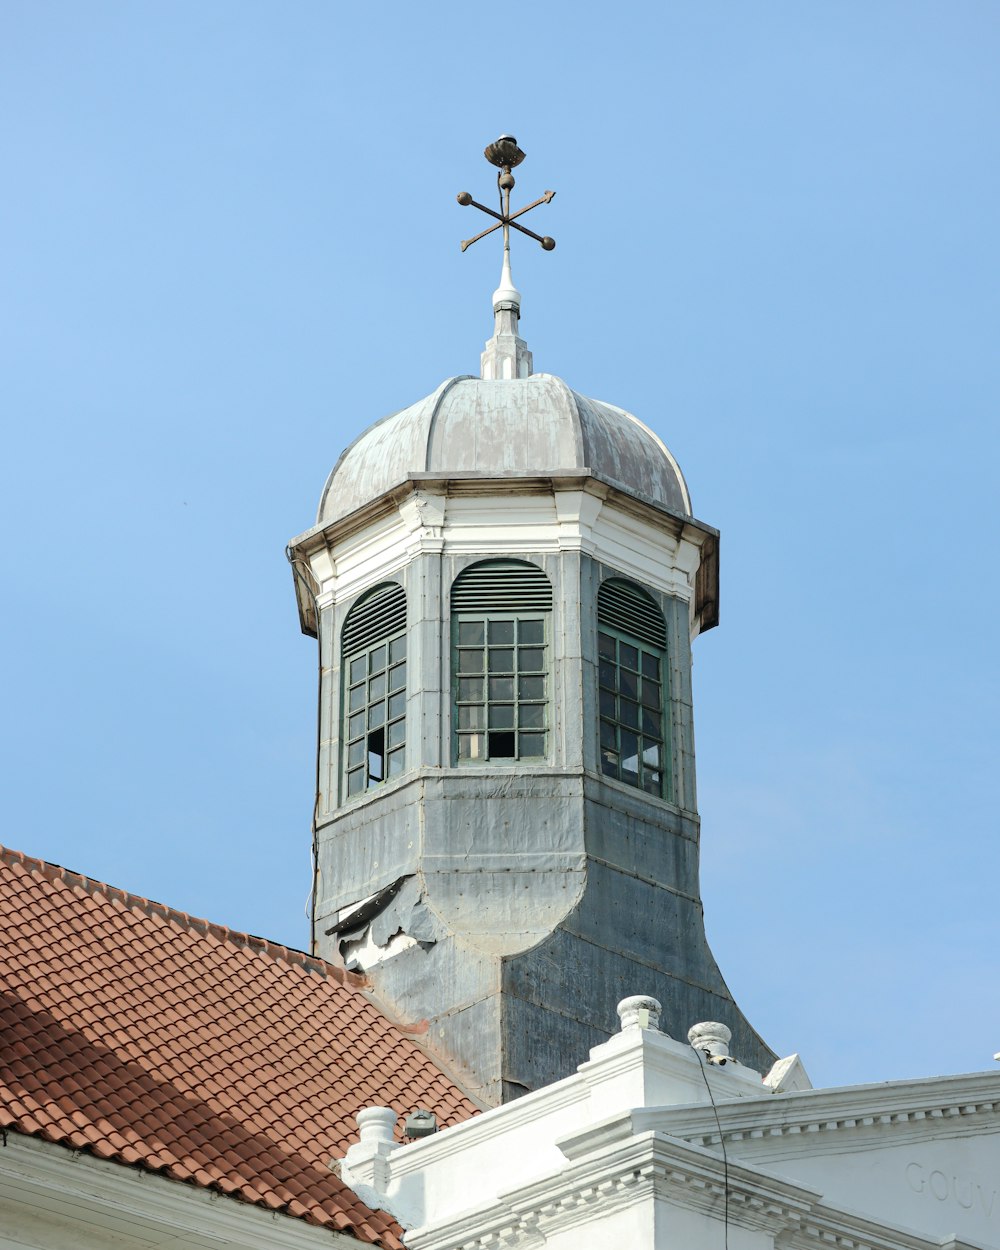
pixel 505 154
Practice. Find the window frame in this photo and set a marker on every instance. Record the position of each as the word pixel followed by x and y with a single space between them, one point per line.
pixel 375 747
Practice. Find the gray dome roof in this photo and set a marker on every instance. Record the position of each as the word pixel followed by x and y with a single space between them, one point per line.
pixel 534 426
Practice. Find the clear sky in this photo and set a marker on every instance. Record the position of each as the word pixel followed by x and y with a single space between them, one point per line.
pixel 229 242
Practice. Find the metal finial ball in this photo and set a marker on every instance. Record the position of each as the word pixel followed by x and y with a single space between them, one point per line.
pixel 548 243
pixel 505 153
pixel 464 198
pixel 506 182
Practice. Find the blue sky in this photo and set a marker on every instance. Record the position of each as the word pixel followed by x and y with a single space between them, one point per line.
pixel 230 242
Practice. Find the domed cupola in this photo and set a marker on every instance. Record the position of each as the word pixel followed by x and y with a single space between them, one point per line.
pixel 505 579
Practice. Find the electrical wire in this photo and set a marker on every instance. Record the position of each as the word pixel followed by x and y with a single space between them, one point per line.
pixel 722 1143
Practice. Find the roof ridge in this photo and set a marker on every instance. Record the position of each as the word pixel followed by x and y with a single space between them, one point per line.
pixel 276 950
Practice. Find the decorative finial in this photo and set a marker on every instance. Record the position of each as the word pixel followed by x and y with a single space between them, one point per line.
pixel 506 354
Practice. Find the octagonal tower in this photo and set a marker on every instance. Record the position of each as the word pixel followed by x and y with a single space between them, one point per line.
pixel 505 580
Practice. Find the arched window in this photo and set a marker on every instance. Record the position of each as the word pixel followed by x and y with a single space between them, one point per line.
pixel 632 649
pixel 500 661
pixel 373 646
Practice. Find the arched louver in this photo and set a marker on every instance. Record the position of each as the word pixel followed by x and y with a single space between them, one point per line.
pixel 626 607
pixel 373 646
pixel 633 697
pixel 500 650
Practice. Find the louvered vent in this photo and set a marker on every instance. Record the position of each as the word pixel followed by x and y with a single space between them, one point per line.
pixel 379 615
pixel 502 586
pixel 632 611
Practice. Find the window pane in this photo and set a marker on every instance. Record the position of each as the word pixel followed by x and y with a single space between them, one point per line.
pixel 531 716
pixel 628 655
pixel 470 746
pixel 652 783
pixel 501 660
pixel 630 684
pixel 471 633
pixel 356 752
pixel 608 704
pixel 651 723
pixel 650 753
pixel 472 717
pixel 606 646
pixel 531 631
pixel 357 698
pixel 470 661
pixel 376 715
pixel 630 758
pixel 397 677
pixel 651 695
pixel 356 725
pixel 359 669
pixel 501 632
pixel 609 763
pixel 397 732
pixel 629 713
pixel 470 688
pixel 530 745
pixel 377 658
pixel 501 716
pixel 397 703
pixel 501 745
pixel 397 649
pixel 397 759
pixel 609 736
pixel 531 659
pixel 531 687
pixel 501 688
pixel 355 781
pixel 609 674
pixel 650 666
pixel 376 688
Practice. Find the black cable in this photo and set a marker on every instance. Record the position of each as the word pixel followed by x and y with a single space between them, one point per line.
pixel 722 1143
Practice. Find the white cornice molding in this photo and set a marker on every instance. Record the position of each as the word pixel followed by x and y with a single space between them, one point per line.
pixel 52 1178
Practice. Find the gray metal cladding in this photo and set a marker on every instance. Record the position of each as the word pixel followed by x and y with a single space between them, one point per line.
pixel 627 608
pixel 502 586
pixel 381 613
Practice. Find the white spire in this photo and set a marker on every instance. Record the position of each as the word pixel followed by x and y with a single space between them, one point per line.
pixel 506 354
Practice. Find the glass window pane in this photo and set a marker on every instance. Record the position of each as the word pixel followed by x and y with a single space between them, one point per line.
pixel 501 659
pixel 470 688
pixel 356 752
pixel 356 725
pixel 501 745
pixel 608 704
pixel 531 716
pixel 470 746
pixel 531 631
pixel 397 732
pixel 397 760
pixel 609 763
pixel 397 649
pixel 531 659
pixel 359 669
pixel 397 703
pixel 376 688
pixel 650 753
pixel 630 684
pixel 609 674
pixel 376 715
pixel 651 666
pixel 471 633
pixel 470 661
pixel 501 716
pixel 377 658
pixel 501 688
pixel 628 655
pixel 630 758
pixel 606 646
pixel 397 677
pixel 609 738
pixel 651 695
pixel 652 783
pixel 357 698
pixel 530 745
pixel 501 632
pixel 355 781
pixel 531 687
pixel 472 717
pixel 651 723
pixel 629 713
pixel 376 764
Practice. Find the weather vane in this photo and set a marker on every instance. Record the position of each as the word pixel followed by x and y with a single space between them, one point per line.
pixel 505 154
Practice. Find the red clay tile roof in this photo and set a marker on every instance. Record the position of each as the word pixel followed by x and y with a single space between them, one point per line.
pixel 142 1035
